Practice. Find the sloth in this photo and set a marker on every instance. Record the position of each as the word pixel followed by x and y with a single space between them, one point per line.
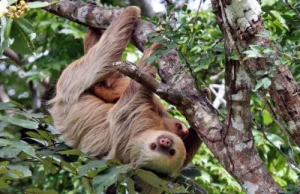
pixel 111 89
pixel 131 129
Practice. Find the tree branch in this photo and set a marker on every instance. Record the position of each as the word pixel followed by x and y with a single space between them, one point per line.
pixel 17 58
pixel 3 95
pixel 132 71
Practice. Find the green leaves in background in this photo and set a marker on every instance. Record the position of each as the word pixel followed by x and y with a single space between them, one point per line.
pixel 39 4
pixel 22 33
pixel 157 182
pixel 112 175
pixel 263 83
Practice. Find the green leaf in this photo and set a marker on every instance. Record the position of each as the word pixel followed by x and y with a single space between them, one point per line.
pixel 266 82
pixel 157 38
pixel 24 171
pixel 5 106
pixel 86 184
pixel 261 72
pixel 234 56
pixel 6 134
pixel 24 25
pixel 75 152
pixel 5 27
pixel 113 162
pixel 155 181
pixel 92 166
pixel 20 106
pixel 38 4
pixel 9 152
pixel 49 167
pixel 45 135
pixel 3 184
pixel 130 186
pixel 281 21
pixel 191 172
pixel 4 163
pixel 151 59
pixel 253 53
pixel 171 45
pixel 170 7
pixel 18 145
pixel 68 166
pixel 204 64
pixel 8 28
pixel 184 7
pixel 103 181
pixel 34 135
pixel 3 125
pixel 21 33
pixel 38 191
pixel 278 62
pixel 267 118
pixel 19 122
pixel 32 115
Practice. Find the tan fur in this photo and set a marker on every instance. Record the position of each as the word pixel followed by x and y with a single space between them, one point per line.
pixel 114 86
pixel 92 36
pixel 123 130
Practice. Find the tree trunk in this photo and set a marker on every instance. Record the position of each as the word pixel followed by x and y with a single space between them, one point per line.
pixel 241 21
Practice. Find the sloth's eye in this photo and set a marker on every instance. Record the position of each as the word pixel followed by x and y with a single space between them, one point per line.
pixel 152 146
pixel 178 126
pixel 172 152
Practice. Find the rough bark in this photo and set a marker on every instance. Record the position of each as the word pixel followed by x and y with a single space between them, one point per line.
pixel 244 22
pixel 178 89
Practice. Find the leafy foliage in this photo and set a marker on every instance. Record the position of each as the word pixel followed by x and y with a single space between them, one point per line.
pixel 38 150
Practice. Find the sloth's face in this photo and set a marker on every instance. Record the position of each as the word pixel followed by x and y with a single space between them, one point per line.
pixel 159 151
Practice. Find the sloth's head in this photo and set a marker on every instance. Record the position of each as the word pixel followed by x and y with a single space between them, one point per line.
pixel 175 126
pixel 159 151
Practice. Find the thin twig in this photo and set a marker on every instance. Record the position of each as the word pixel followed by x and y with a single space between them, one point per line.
pixel 292 8
pixel 190 70
pixel 17 58
pixel 195 19
pixel 290 160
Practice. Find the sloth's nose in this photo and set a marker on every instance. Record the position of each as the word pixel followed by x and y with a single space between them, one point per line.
pixel 165 142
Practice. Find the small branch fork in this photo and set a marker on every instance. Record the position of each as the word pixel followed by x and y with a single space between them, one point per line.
pixel 129 69
pixel 168 93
